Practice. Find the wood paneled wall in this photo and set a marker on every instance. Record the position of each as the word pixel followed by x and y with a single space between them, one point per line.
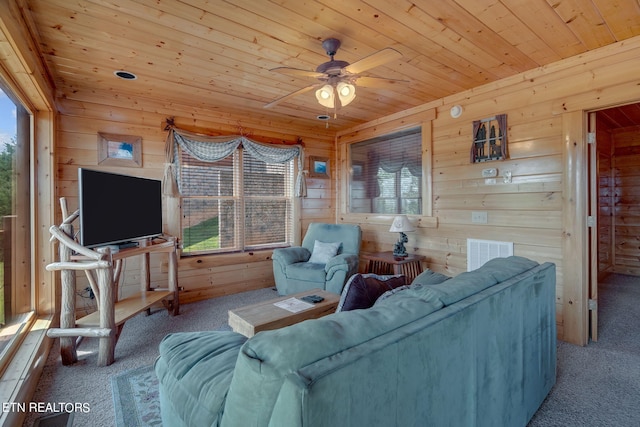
pixel 606 189
pixel 626 187
pixel 543 209
pixel 201 277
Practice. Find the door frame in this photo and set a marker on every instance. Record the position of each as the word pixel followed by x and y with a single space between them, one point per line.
pixel 574 298
pixel 592 224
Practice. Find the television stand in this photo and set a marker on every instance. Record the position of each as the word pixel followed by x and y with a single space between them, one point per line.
pixel 103 268
pixel 127 245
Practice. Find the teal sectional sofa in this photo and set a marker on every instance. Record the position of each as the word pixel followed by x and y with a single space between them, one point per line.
pixel 478 349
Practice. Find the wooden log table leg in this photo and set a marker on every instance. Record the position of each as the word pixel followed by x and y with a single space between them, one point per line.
pixel 107 345
pixel 68 351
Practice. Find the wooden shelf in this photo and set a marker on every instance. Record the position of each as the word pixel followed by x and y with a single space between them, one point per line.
pixel 127 308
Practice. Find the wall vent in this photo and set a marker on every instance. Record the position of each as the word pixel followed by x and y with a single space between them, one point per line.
pixel 481 251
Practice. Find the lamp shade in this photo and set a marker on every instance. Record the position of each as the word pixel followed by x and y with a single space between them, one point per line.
pixel 401 224
pixel 346 93
pixel 325 96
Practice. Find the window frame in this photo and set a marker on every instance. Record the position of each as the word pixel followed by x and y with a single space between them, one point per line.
pixel 239 235
pixel 380 128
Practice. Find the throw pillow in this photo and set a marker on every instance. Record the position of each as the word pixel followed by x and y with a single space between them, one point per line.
pixel 392 292
pixel 363 290
pixel 324 251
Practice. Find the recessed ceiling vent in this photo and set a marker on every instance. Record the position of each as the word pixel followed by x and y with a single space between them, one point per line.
pixel 126 75
pixel 323 117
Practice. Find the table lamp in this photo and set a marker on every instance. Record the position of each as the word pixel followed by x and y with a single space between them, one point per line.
pixel 401 224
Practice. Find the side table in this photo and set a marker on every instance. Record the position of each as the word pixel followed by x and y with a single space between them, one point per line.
pixel 385 263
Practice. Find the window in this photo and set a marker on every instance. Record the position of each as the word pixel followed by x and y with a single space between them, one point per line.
pixel 386 174
pixel 238 203
pixel 15 219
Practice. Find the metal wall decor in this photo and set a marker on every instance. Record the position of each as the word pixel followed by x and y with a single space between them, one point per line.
pixel 489 139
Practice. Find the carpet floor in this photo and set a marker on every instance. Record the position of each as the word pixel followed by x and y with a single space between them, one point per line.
pixel 137 347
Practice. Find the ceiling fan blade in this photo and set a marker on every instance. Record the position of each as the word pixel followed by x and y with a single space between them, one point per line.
pixel 377 82
pixel 298 72
pixel 381 57
pixel 291 95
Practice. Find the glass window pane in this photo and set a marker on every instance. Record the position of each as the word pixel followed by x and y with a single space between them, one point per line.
pixel 15 218
pixel 237 203
pixel 386 174
pixel 208 224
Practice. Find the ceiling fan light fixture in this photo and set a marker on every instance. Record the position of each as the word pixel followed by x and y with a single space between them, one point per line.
pixel 325 96
pixel 346 93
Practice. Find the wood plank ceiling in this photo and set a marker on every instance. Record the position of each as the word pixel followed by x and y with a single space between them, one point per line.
pixel 194 56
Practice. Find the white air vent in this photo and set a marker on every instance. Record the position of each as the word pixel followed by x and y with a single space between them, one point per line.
pixel 481 251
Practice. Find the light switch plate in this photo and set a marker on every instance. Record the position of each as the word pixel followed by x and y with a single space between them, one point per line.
pixel 489 173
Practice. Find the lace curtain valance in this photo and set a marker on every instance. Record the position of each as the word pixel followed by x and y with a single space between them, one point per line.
pixel 213 148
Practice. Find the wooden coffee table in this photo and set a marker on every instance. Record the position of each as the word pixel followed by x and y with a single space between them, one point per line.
pixel 263 316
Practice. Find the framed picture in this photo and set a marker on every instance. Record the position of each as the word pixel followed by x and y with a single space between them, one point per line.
pixel 318 167
pixel 489 139
pixel 119 150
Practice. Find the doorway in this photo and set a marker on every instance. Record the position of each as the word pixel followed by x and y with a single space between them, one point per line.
pixel 614 187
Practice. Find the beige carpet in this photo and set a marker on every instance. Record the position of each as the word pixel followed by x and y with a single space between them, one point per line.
pixel 84 382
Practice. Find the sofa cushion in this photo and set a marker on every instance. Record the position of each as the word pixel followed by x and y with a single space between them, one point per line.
pixel 324 251
pixel 270 356
pixel 429 277
pixel 392 292
pixel 196 367
pixel 363 290
pixel 471 282
pixel 505 268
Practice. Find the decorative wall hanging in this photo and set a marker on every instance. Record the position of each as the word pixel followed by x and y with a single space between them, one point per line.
pixel 119 150
pixel 318 167
pixel 489 139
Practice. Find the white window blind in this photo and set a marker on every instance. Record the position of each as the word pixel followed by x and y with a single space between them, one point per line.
pixel 386 174
pixel 235 204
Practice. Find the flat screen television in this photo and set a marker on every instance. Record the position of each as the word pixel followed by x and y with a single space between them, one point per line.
pixel 117 209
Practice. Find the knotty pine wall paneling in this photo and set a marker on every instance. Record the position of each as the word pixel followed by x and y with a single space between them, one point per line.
pixel 626 177
pixel 204 276
pixel 606 195
pixel 543 209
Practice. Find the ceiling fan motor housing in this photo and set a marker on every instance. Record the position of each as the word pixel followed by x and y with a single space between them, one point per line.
pixel 331 46
pixel 332 68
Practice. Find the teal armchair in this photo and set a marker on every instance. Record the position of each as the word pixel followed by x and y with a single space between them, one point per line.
pixel 326 259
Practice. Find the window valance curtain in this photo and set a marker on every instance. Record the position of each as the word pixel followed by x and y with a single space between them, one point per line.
pixel 213 148
pixel 391 163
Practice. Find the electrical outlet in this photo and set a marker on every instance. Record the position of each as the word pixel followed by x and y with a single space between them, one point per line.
pixel 479 217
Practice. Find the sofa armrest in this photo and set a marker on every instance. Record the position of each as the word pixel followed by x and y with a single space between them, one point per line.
pixel 341 262
pixel 291 255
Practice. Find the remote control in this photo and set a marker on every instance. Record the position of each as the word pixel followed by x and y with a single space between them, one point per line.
pixel 313 299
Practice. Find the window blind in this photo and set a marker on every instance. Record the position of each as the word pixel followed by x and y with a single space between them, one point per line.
pixel 386 174
pixel 236 203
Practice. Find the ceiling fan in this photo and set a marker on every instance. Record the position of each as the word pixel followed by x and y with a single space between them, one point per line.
pixel 337 79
